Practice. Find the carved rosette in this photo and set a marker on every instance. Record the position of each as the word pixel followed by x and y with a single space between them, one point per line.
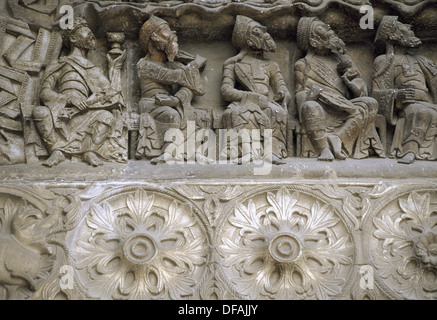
pixel 141 245
pixel 403 245
pixel 286 244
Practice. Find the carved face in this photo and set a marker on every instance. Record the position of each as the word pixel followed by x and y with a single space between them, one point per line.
pixel 260 39
pixel 323 38
pixel 83 38
pixel 405 36
pixel 167 41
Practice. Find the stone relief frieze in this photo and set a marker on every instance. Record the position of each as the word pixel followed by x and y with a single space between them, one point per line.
pixel 89 208
pixel 402 233
pixel 286 245
pixel 151 246
pixel 274 242
pixel 324 106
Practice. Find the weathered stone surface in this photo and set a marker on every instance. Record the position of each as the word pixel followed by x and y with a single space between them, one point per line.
pixel 201 226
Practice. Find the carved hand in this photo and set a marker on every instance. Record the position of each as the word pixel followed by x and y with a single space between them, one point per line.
pixel 314 92
pixel 117 62
pixel 284 96
pixel 405 94
pixel 262 100
pixel 78 103
pixel 198 62
pixel 345 62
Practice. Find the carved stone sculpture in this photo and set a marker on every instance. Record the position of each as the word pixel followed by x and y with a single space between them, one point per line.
pixel 147 237
pixel 272 241
pixel 81 115
pixel 405 85
pixel 333 107
pixel 307 229
pixel 25 253
pixel 404 245
pixel 169 80
pixel 248 82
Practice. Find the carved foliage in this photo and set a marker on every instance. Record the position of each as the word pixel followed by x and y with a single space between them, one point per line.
pixel 286 246
pixel 141 246
pixel 405 236
pixel 26 255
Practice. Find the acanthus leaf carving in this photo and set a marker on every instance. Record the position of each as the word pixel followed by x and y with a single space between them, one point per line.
pixel 286 248
pixel 406 242
pixel 28 250
pixel 147 251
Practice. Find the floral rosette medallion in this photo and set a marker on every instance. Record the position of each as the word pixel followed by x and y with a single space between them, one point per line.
pixel 282 245
pixel 141 245
pixel 403 246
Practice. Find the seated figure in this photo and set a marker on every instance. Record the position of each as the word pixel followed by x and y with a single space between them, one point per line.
pixel 405 84
pixel 169 80
pixel 81 114
pixel 255 87
pixel 332 100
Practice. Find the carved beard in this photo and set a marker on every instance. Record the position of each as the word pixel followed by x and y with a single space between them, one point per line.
pixel 262 44
pixel 171 49
pixel 410 42
pixel 335 45
pixel 89 43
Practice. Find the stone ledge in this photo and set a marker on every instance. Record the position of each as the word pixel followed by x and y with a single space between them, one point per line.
pixel 296 169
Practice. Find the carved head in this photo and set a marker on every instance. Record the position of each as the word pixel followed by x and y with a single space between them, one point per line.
pixel 250 33
pixel 156 32
pixel 390 29
pixel 80 36
pixel 315 34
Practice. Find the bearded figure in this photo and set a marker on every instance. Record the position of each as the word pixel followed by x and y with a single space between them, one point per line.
pixel 169 80
pixel 405 84
pixel 334 109
pixel 255 87
pixel 81 114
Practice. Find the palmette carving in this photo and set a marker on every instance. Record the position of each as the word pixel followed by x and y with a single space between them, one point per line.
pixel 405 246
pixel 286 245
pixel 142 246
pixel 212 198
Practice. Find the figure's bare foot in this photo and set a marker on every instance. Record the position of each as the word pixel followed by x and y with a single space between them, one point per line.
pixel 277 161
pixel 336 145
pixel 247 158
pixel 200 158
pixel 55 158
pixel 407 159
pixel 326 155
pixel 159 159
pixel 92 159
